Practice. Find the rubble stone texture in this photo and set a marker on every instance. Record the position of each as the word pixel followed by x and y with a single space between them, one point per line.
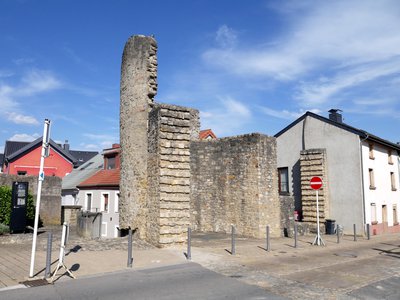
pixel 313 163
pixel 170 180
pixel 234 182
pixel 138 88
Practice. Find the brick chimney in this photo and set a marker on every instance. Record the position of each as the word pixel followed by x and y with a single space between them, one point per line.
pixel 335 115
pixel 66 146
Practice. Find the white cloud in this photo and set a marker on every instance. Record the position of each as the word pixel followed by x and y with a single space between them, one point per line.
pixel 22 119
pixel 32 83
pixel 100 141
pixel 23 61
pixel 38 81
pixel 23 137
pixel 286 114
pixel 6 100
pixel 348 43
pixel 321 92
pixel 226 37
pixel 227 117
pixel 6 73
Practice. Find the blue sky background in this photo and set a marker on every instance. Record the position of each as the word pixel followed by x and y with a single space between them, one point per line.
pixel 248 66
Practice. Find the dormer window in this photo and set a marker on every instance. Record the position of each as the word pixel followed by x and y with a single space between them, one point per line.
pixel 110 162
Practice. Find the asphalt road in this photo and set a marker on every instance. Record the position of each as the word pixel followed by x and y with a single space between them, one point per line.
pixel 184 281
pixel 387 289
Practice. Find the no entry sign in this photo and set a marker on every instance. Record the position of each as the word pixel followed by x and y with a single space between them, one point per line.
pixel 316 183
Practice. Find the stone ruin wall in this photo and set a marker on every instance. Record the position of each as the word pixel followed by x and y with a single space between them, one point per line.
pixel 170 181
pixel 313 163
pixel 171 129
pixel 138 88
pixel 234 182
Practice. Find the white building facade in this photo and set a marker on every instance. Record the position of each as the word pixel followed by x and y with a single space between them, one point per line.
pixel 362 171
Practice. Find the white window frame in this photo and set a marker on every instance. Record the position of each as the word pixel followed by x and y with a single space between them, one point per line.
pixel 116 231
pixel 374 213
pixel 116 202
pixel 102 202
pixel 105 229
pixel 86 201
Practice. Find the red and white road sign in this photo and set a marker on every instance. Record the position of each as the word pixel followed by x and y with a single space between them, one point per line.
pixel 316 183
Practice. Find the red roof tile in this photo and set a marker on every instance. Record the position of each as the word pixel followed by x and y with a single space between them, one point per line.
pixel 102 178
pixel 207 133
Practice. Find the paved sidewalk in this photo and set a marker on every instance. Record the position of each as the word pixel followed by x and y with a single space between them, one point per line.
pixel 83 257
pixel 305 272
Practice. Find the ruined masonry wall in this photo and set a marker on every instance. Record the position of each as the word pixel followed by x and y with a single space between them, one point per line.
pixel 171 128
pixel 138 88
pixel 234 181
pixel 313 163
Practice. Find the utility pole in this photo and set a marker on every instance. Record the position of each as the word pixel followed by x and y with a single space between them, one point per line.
pixel 45 153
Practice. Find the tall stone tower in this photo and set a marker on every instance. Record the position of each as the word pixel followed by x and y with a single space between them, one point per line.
pixel 155 151
pixel 138 88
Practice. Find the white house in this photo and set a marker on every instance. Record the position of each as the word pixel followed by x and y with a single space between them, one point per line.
pixel 362 179
pixel 100 193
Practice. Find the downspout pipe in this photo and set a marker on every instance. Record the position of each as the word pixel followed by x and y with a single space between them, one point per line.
pixel 362 176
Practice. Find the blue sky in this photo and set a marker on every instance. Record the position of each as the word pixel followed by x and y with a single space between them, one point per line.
pixel 248 66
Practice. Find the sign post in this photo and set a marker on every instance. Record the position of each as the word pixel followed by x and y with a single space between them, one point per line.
pixel 61 263
pixel 316 184
pixel 44 154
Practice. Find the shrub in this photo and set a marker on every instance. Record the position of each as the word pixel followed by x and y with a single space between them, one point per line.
pixel 4 229
pixel 5 207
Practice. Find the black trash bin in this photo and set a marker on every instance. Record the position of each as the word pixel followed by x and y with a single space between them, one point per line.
pixel 330 226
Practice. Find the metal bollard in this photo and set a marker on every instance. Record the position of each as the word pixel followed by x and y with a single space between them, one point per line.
pixel 338 233
pixel 130 259
pixel 355 232
pixel 368 232
pixel 48 255
pixel 295 235
pixel 268 244
pixel 233 246
pixel 189 244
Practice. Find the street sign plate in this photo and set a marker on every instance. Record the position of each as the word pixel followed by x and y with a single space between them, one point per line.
pixel 41 176
pixel 316 183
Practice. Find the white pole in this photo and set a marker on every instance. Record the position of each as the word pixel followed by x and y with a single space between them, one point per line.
pixel 318 233
pixel 45 145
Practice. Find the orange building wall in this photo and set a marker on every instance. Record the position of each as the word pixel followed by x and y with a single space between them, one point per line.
pixel 54 165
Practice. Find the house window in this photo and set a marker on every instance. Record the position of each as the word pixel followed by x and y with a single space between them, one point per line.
pixel 283 180
pixel 371 179
pixel 116 203
pixel 390 159
pixel 116 231
pixel 89 201
pixel 103 229
pixel 371 151
pixel 110 161
pixel 373 214
pixel 384 214
pixel 21 173
pixel 395 220
pixel 105 203
pixel 393 181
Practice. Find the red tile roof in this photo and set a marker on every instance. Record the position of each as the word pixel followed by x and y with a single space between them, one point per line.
pixel 103 178
pixel 207 133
